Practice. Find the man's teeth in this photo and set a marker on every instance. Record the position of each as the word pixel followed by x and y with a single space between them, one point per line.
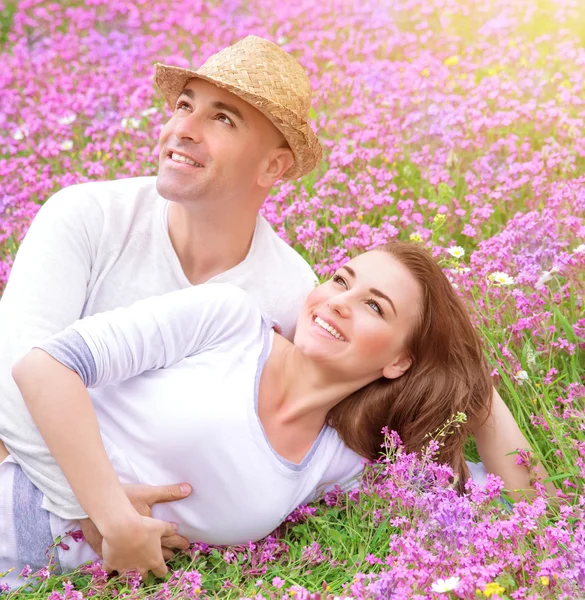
pixel 181 158
pixel 330 329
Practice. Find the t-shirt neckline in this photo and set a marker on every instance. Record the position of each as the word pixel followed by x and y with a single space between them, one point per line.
pixel 176 263
pixel 267 340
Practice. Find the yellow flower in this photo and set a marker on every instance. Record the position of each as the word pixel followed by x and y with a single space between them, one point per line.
pixel 463 76
pixel 452 60
pixel 415 237
pixel 493 588
pixel 566 84
pixel 439 219
pixel 425 72
pixel 545 580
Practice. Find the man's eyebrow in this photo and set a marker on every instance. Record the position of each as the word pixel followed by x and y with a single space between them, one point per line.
pixel 218 105
pixel 373 290
pixel 187 92
pixel 229 108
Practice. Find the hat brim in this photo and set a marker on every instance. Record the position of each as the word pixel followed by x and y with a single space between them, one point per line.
pixel 300 137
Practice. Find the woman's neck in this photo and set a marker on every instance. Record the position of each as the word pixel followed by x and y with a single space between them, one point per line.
pixel 297 389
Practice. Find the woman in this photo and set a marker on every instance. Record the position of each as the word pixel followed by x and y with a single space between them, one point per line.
pixel 197 386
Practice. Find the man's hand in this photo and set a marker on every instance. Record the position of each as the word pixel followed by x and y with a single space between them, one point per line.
pixel 143 497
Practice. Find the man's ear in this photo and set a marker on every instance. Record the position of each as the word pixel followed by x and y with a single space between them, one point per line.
pixel 279 162
pixel 397 367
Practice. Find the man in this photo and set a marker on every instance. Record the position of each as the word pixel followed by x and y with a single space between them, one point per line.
pixel 239 124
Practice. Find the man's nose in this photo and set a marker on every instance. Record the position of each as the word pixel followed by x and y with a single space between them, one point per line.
pixel 190 127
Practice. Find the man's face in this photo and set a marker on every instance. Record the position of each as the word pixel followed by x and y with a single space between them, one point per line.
pixel 214 147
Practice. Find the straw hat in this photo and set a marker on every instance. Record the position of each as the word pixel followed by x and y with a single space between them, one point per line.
pixel 265 76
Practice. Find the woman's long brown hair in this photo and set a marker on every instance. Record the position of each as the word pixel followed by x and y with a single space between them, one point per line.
pixel 449 374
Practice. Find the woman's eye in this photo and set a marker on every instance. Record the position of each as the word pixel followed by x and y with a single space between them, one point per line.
pixel 376 306
pixel 340 280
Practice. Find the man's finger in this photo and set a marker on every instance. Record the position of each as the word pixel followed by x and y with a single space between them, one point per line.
pixel 167 529
pixel 167 554
pixel 153 494
pixel 175 542
pixel 160 570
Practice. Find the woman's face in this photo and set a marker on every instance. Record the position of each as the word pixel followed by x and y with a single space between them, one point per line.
pixel 358 322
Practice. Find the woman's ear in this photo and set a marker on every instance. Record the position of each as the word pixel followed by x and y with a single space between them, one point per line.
pixel 398 367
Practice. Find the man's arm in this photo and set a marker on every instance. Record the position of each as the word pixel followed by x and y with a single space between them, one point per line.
pixel 46 292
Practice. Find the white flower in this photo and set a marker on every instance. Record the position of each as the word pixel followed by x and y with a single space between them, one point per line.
pixel 442 586
pixel 579 249
pixel 149 111
pixel 521 376
pixel 67 145
pixel 130 122
pixel 20 134
pixel 546 277
pixel 501 278
pixel 456 251
pixel 68 119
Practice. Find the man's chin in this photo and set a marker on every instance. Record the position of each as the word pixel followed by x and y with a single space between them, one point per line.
pixel 170 189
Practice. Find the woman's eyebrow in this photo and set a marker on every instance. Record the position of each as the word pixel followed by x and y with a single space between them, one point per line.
pixel 382 295
pixel 373 291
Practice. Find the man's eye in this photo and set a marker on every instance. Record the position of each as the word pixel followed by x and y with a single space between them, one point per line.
pixel 225 119
pixel 181 104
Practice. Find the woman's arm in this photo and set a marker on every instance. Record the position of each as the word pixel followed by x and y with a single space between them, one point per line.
pixel 496 439
pixel 60 406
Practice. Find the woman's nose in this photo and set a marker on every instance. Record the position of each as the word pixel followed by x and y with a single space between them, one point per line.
pixel 339 305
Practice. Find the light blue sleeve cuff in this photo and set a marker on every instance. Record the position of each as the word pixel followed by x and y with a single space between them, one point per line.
pixel 71 350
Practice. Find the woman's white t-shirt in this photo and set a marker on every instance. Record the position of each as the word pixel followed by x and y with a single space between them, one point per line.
pixel 174 381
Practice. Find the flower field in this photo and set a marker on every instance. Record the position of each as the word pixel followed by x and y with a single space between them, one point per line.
pixel 459 124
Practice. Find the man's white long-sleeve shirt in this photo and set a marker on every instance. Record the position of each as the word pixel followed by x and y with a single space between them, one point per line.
pixel 95 247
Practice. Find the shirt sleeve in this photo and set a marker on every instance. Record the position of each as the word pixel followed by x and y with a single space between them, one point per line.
pixel 46 292
pixel 154 333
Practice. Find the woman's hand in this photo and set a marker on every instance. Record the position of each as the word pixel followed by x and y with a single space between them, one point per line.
pixel 135 545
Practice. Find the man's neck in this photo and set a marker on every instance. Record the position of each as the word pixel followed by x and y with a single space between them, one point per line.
pixel 208 243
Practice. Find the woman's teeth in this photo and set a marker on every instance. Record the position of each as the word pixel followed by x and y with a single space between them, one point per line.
pixel 181 158
pixel 330 329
